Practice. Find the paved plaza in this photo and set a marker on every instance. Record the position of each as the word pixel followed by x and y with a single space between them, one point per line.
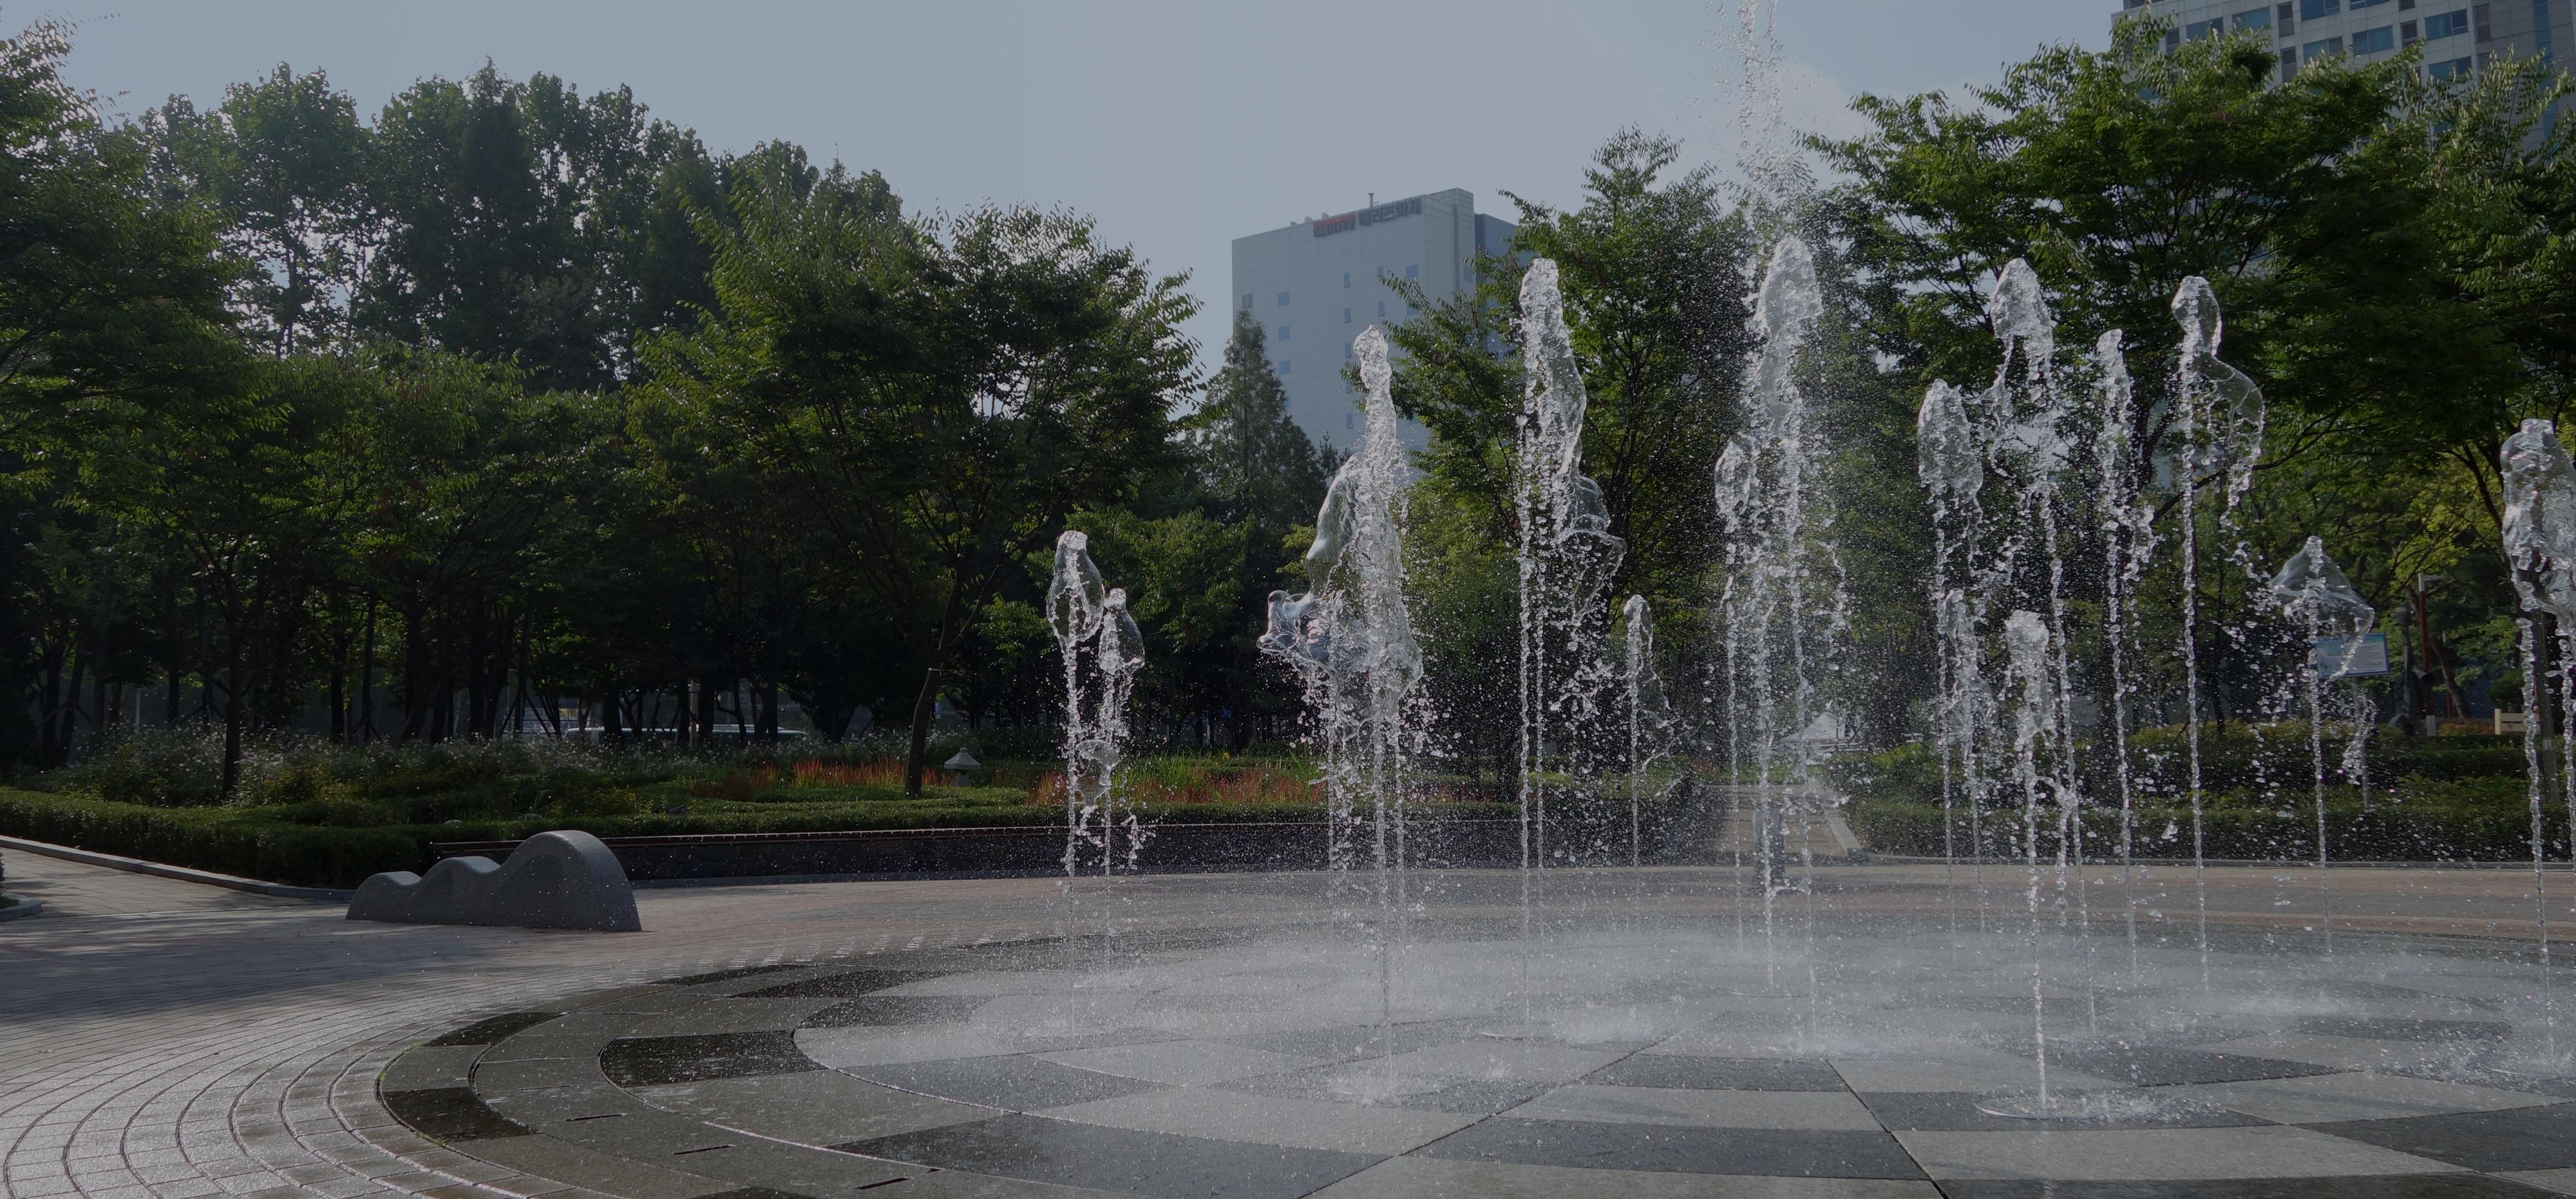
pixel 981 1037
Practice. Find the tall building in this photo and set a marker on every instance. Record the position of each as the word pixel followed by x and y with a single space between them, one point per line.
pixel 1315 285
pixel 2456 35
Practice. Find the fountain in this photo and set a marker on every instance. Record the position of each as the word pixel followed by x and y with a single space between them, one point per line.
pixel 1583 1020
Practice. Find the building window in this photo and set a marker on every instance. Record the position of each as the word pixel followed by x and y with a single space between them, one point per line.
pixel 2310 10
pixel 2542 38
pixel 2449 24
pixel 2328 48
pixel 2173 38
pixel 2358 5
pixel 1283 366
pixel 2281 17
pixel 2259 18
pixel 1283 332
pixel 2405 5
pixel 1381 308
pixel 2454 70
pixel 1247 301
pixel 2374 41
pixel 1283 299
pixel 2200 29
pixel 2289 65
pixel 2486 31
pixel 1413 271
pixel 1346 316
pixel 2406 35
pixel 1349 352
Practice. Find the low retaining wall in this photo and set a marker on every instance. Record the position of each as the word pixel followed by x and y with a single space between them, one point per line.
pixel 1172 848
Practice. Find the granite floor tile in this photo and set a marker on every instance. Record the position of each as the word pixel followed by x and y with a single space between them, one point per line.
pixel 652 1061
pixel 846 984
pixel 2154 1066
pixel 732 975
pixel 492 1029
pixel 1180 1063
pixel 1117 1159
pixel 1269 1119
pixel 2527 1138
pixel 1367 1084
pixel 1826 1111
pixel 1420 1177
pixel 1349 1042
pixel 1958 1111
pixel 529 1046
pixel 2399 1186
pixel 1719 1073
pixel 965 1184
pixel 893 1011
pixel 450 1114
pixel 2182 1155
pixel 727 1015
pixel 536 1073
pixel 793 1169
pixel 2326 1098
pixel 2559 1181
pixel 1012 1083
pixel 815 1107
pixel 1646 1147
pixel 429 1068
pixel 1966 1071
pixel 1491 1058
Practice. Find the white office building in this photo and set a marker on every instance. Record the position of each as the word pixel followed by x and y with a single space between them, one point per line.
pixel 1315 285
pixel 2456 36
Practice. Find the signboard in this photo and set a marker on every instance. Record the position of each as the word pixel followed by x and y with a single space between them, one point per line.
pixel 1327 226
pixel 2332 659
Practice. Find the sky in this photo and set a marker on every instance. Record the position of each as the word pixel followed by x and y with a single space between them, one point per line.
pixel 1180 126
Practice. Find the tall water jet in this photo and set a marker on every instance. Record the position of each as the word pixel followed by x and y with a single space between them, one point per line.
pixel 2027 667
pixel 1102 651
pixel 1650 715
pixel 2027 445
pixel 2128 536
pixel 1351 638
pixel 2313 592
pixel 2540 546
pixel 1953 469
pixel 1783 607
pixel 1566 556
pixel 2219 416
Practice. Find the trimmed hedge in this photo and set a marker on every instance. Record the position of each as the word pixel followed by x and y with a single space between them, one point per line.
pixel 315 845
pixel 2419 833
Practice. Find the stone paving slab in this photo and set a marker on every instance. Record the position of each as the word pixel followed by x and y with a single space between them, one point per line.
pixel 160 1038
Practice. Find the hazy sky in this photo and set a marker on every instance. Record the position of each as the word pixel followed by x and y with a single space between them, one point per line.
pixel 1181 126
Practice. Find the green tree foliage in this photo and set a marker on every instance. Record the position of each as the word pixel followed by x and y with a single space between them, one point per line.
pixel 939 395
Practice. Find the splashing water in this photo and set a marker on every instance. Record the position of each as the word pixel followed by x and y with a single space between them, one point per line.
pixel 1102 652
pixel 2540 542
pixel 2219 419
pixel 1566 557
pixel 2314 593
pixel 1783 607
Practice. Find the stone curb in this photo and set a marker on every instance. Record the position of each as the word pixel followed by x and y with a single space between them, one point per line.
pixel 182 873
pixel 20 910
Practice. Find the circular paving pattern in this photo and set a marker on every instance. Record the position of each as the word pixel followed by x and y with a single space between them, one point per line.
pixel 1618 1059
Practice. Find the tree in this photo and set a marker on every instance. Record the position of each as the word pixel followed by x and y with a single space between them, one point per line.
pixel 1261 479
pixel 113 303
pixel 285 159
pixel 939 395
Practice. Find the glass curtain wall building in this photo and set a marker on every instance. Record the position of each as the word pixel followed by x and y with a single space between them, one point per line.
pixel 2456 36
pixel 1316 284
